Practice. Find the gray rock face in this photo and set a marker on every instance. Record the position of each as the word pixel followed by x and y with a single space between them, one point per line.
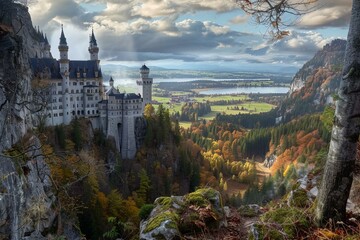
pixel 26 201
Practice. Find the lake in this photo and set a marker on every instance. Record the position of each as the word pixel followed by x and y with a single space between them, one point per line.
pixel 246 90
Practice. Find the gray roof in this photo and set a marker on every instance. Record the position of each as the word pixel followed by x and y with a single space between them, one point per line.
pixel 125 96
pixel 62 37
pixel 144 67
pixel 89 66
pixel 92 38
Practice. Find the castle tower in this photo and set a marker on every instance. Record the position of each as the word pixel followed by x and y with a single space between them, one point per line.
pixel 145 85
pixel 93 48
pixel 47 47
pixel 94 55
pixel 64 71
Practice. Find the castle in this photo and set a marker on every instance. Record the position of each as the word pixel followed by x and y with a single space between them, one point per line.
pixel 76 90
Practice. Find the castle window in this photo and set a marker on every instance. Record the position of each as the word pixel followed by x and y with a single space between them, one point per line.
pixel 82 112
pixel 60 99
pixel 82 91
pixel 77 90
pixel 93 111
pixel 71 99
pixel 77 98
pixel 78 112
pixel 60 107
pixel 59 92
pixel 81 83
pixel 87 105
pixel 72 90
pixel 87 83
pixel 59 84
pixel 60 114
pixel 93 83
pixel 74 83
pixel 97 111
pixel 88 112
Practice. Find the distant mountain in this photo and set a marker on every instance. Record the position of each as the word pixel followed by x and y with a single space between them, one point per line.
pixel 314 85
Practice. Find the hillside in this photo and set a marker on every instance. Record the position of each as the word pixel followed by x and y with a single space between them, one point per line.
pixel 315 84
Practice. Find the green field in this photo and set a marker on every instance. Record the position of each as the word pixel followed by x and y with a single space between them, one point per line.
pixel 248 107
pixel 220 98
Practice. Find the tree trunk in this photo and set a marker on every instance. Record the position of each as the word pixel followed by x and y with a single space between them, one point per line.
pixel 338 172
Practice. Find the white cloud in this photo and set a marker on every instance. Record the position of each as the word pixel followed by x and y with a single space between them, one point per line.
pixel 335 13
pixel 239 19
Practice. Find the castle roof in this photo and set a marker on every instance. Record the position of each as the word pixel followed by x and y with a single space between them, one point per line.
pixel 62 37
pixel 46 40
pixel 125 96
pixel 88 66
pixel 92 38
pixel 144 67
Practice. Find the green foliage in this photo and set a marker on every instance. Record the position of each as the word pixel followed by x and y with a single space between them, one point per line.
pixel 60 136
pixel 327 117
pixel 191 111
pixel 76 134
pixel 145 211
pixel 144 188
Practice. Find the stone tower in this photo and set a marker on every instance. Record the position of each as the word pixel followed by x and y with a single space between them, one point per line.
pixel 145 85
pixel 64 71
pixel 93 48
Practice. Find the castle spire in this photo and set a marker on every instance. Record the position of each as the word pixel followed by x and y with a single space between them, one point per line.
pixel 62 37
pixel 92 38
pixel 46 40
pixel 93 48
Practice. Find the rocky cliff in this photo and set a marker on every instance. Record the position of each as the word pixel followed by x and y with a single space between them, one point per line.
pixel 25 188
pixel 314 85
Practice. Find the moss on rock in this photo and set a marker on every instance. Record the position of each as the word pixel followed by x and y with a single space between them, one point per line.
pixel 282 223
pixel 168 217
pixel 300 198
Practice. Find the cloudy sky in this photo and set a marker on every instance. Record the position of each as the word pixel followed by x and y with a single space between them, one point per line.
pixel 190 34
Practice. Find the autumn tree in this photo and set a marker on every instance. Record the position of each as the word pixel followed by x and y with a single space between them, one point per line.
pixel 338 172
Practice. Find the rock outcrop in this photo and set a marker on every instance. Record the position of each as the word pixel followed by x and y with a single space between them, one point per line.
pixel 26 200
pixel 178 216
pixel 314 85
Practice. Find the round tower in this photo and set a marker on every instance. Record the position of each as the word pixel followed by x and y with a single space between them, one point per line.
pixel 145 85
pixel 64 71
pixel 93 48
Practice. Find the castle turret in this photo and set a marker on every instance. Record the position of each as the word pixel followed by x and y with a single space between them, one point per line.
pixel 64 71
pixel 47 47
pixel 93 48
pixel 145 85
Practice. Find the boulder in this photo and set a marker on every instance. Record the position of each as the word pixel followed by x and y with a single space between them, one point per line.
pixel 176 216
